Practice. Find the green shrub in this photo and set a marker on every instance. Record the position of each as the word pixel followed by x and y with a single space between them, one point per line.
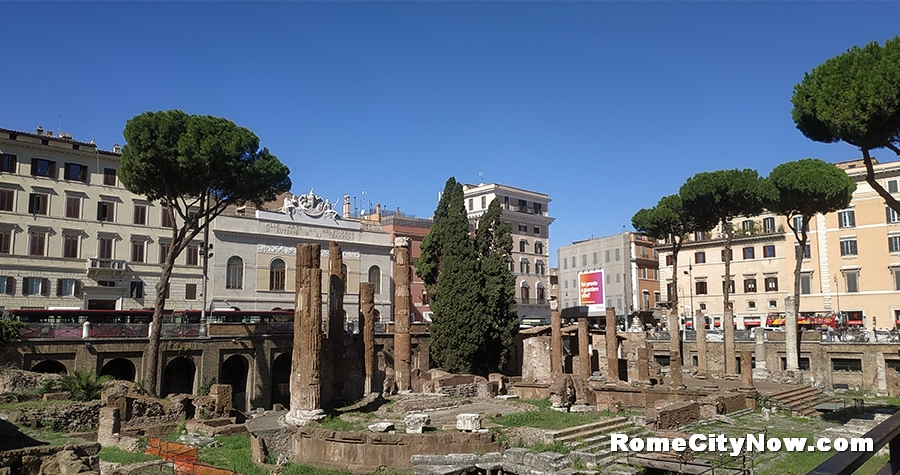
pixel 48 386
pixel 203 390
pixel 84 385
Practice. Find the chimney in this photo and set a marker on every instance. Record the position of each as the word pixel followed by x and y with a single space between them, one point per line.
pixel 40 130
pixel 346 206
pixel 117 148
pixel 93 142
pixel 49 133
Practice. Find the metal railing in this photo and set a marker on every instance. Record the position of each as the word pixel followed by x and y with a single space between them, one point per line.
pixel 112 264
pixel 845 463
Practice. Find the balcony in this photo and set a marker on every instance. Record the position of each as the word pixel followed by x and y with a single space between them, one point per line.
pixel 97 267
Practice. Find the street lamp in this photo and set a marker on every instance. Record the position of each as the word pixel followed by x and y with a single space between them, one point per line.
pixel 837 289
pixel 690 273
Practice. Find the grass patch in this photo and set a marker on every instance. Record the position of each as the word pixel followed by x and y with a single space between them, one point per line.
pixel 557 446
pixel 234 454
pixel 117 455
pixel 28 405
pixel 296 469
pixel 45 435
pixel 334 422
pixel 546 418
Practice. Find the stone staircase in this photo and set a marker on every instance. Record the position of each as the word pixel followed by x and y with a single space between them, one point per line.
pixel 803 400
pixel 590 443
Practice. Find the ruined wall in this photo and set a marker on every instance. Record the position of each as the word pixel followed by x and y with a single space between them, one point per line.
pixel 536 359
pixel 367 452
pixel 674 415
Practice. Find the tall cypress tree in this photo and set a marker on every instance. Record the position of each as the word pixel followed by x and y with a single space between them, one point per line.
pixel 493 245
pixel 448 266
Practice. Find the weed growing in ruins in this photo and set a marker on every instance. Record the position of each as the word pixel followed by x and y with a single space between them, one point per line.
pixel 117 455
pixel 175 434
pixel 557 446
pixel 48 386
pixel 84 385
pixel 203 390
pixel 334 422
pixel 577 462
pixel 545 418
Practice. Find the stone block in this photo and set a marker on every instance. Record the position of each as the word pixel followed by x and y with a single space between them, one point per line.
pixel 60 396
pixel 381 426
pixel 468 422
pixel 515 456
pixel 415 423
pixel 258 449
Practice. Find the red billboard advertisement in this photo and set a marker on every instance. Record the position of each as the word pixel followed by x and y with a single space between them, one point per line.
pixel 590 291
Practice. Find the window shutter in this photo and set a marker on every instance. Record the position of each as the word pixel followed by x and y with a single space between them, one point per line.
pixel 45 287
pixel 11 285
pixel 83 175
pixel 32 199
pixel 59 287
pixel 51 170
pixel 100 212
pixel 78 289
pixel 25 285
pixel 12 163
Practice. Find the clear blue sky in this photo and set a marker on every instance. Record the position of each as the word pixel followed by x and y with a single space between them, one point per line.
pixel 604 106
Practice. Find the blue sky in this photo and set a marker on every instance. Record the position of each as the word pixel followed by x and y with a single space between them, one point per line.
pixel 604 106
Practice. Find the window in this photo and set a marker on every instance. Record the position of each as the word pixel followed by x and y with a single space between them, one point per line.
pixel 65 287
pixel 523 205
pixel 541 296
pixel 537 230
pixel 5 241
pixel 643 272
pixel 700 236
pixel 700 288
pixel 565 263
pixel 137 290
pixel 803 364
pixel 892 186
pixel 41 167
pixel 38 203
pixel 522 245
pixel 595 258
pixel 105 248
pixel 617 255
pixel 798 222
pixel 526 294
pixel 539 248
pixel 806 283
pixel 846 365
pixel 109 176
pixel 73 207
pixel 483 202
pixel 806 250
pixel 70 246
pixel 164 248
pixel 670 259
pixel 573 262
pixel 276 275
pixel 192 257
pixel 768 225
pixel 35 286
pixel 584 259
pixel 37 243
pixel 75 172
pixel 751 305
pixel 848 247
pixel 538 208
pixel 846 219
pixel 7 163
pixel 471 204
pixel 747 225
pixel 749 285
pixel 140 215
pixel 523 228
pixel 749 253
pixel 110 283
pixel 730 286
pixel 106 211
pixel 566 284
pixel 506 202
pixel 608 280
pixel 166 290
pixel 618 278
pixel 137 251
pixel 539 268
pixel 769 251
pixel 896 274
pixel 607 255
pixel 852 281
pixel 771 284
pixel 894 243
pixel 892 216
pixel 526 267
pixel 700 257
pixel 730 255
pixel 375 278
pixel 6 200
pixel 773 304
pixel 190 291
pixel 234 275
pixel 165 219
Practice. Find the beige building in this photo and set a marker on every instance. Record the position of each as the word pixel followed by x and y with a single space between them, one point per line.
pixel 527 212
pixel 72 236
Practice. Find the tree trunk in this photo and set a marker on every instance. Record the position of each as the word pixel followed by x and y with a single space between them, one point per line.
pixel 728 313
pixel 151 374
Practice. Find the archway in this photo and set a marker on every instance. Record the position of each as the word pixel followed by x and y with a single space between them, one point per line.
pixel 234 372
pixel 178 377
pixel 119 368
pixel 281 380
pixel 51 367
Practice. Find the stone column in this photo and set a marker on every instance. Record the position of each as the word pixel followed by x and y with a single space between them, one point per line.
pixel 730 351
pixel 643 365
pixel 336 315
pixel 584 350
pixel 700 325
pixel 555 337
pixel 675 349
pixel 402 300
pixel 791 350
pixel 746 370
pixel 367 329
pixel 306 390
pixel 880 374
pixel 760 372
pixel 612 346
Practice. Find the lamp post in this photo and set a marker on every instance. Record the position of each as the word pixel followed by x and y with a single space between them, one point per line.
pixel 837 289
pixel 690 274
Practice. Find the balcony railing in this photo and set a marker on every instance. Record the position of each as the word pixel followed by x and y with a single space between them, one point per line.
pixel 105 267
pixel 845 463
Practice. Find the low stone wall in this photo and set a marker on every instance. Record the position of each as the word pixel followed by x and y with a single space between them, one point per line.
pixel 70 417
pixel 366 452
pixel 531 390
pixel 46 459
pixel 519 461
pixel 674 415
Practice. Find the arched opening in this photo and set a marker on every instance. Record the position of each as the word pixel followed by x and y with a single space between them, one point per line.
pixel 50 367
pixel 375 278
pixel 234 373
pixel 119 368
pixel 178 377
pixel 234 276
pixel 281 380
pixel 276 275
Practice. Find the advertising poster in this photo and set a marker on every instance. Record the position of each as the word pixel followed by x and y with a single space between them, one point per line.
pixel 590 291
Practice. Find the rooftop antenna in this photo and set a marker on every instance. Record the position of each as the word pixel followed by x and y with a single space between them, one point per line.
pixel 480 178
pixel 363 199
pixel 59 128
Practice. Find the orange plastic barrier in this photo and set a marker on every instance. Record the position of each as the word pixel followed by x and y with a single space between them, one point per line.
pixel 184 457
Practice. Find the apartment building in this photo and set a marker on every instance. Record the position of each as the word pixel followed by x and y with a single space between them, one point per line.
pixel 398 225
pixel 630 269
pixel 761 271
pixel 72 236
pixel 527 212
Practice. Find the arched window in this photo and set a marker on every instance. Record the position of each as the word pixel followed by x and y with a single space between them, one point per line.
pixel 234 276
pixel 539 267
pixel 276 275
pixel 540 293
pixel 522 245
pixel 525 292
pixel 375 278
pixel 344 275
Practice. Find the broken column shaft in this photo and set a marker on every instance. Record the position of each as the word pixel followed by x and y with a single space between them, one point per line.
pixel 402 301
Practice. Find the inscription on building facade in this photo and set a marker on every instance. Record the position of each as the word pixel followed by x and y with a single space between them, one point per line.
pixel 300 230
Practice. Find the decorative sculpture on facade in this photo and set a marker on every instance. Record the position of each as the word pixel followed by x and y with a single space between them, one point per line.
pixel 311 205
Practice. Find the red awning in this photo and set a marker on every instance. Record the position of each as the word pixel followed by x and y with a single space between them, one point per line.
pixel 718 324
pixel 854 322
pixel 752 323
